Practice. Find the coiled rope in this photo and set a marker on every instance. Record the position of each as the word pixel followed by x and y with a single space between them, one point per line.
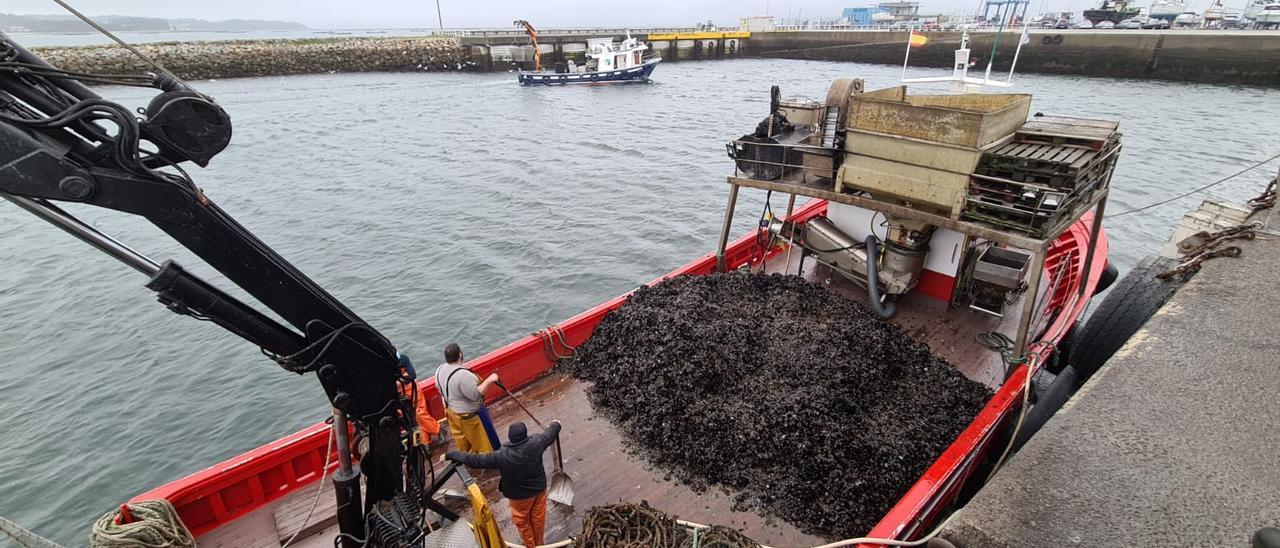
pixel 551 337
pixel 155 525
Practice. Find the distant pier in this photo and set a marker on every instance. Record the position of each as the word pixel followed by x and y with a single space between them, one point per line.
pixel 506 48
pixel 1221 57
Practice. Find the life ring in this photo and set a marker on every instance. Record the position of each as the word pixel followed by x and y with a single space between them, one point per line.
pixel 595 77
pixel 1046 40
pixel 1057 39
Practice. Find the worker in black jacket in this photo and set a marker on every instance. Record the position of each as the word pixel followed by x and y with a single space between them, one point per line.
pixel 524 480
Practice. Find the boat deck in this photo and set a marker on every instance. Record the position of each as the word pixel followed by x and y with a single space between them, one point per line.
pixel 604 473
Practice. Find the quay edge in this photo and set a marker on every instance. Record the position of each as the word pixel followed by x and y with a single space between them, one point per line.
pixel 1220 57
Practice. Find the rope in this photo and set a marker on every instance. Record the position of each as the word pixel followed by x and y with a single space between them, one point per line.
pixel 156 525
pixel 550 337
pixel 328 456
pixel 1201 189
pixel 25 537
pixel 628 525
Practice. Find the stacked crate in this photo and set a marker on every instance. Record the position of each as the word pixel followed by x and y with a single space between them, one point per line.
pixel 1035 180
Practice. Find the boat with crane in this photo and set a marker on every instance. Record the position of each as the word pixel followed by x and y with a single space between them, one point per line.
pixel 607 62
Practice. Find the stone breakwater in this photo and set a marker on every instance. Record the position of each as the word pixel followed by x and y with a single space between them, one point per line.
pixel 245 58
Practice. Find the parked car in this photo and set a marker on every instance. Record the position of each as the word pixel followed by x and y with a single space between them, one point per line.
pixel 1153 23
pixel 1062 25
pixel 1231 21
pixel 1105 25
pixel 1085 24
pixel 1134 24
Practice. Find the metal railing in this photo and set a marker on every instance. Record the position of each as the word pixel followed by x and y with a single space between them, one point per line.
pixel 568 31
pixel 900 27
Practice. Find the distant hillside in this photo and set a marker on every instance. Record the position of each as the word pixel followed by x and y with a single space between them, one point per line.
pixel 235 24
pixel 66 23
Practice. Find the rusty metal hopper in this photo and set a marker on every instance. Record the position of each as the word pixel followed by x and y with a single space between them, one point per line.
pixel 921 149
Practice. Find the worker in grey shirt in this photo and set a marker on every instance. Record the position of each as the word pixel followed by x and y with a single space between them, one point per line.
pixel 463 394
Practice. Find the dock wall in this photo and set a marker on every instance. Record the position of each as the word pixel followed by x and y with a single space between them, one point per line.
pixel 243 58
pixel 1236 57
pixel 1225 57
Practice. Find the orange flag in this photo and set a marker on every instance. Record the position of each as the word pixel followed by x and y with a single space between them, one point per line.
pixel 918 39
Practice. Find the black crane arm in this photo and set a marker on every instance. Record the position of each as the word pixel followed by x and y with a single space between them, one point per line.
pixel 61 142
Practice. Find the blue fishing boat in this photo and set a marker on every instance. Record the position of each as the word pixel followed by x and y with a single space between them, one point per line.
pixel 607 62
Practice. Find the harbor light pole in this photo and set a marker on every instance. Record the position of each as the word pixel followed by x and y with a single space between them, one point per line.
pixel 439 18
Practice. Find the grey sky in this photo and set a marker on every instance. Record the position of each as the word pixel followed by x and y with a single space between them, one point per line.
pixel 495 13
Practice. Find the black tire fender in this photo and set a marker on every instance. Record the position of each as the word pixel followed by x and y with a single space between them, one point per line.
pixel 1057 39
pixel 1046 40
pixel 1133 301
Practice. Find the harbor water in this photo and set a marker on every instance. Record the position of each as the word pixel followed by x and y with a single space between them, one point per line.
pixel 453 207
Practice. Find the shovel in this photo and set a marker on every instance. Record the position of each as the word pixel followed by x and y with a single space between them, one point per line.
pixel 561 488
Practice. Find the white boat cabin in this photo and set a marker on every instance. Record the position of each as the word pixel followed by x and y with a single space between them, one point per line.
pixel 603 54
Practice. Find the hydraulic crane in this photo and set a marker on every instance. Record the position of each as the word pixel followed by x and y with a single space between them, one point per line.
pixel 533 37
pixel 61 142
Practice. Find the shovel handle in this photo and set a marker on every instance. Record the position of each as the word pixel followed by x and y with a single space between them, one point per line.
pixel 559 454
pixel 522 407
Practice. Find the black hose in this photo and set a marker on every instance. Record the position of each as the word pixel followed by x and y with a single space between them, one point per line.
pixel 883 310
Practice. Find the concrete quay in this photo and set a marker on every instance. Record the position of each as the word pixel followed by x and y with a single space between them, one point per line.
pixel 1226 57
pixel 1172 443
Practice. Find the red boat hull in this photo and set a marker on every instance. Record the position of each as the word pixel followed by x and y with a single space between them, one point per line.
pixel 218 495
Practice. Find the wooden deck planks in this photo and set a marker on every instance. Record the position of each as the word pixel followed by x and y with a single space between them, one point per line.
pixel 604 473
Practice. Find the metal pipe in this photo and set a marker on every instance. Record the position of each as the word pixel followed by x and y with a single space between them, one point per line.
pixel 1029 308
pixel 791 206
pixel 724 229
pixel 346 487
pixel 343 440
pixel 1094 234
pixel 85 233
